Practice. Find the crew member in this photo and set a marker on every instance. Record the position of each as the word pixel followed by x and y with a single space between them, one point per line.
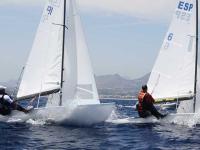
pixel 7 104
pixel 145 105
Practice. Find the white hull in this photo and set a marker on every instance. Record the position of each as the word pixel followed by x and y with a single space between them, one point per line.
pixel 79 115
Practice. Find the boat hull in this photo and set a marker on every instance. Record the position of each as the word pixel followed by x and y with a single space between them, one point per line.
pixel 81 115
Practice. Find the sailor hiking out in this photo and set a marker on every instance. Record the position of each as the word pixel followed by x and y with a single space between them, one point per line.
pixel 7 104
pixel 145 105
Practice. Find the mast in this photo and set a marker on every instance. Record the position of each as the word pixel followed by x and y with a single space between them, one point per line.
pixel 196 58
pixel 63 52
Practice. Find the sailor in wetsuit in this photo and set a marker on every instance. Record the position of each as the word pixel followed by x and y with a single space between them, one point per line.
pixel 145 105
pixel 7 104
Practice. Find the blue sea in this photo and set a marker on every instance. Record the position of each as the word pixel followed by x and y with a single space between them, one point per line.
pixel 107 136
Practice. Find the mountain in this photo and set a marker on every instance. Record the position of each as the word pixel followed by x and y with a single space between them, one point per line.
pixel 116 86
pixel 109 86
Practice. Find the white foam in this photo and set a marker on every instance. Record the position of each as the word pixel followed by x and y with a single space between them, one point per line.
pixel 36 122
pixel 134 120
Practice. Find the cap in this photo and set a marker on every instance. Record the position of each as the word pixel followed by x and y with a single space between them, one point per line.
pixel 2 87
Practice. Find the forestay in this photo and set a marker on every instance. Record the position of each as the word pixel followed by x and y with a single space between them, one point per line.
pixel 43 69
pixel 174 70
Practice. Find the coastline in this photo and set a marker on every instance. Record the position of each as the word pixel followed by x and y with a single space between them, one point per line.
pixel 117 99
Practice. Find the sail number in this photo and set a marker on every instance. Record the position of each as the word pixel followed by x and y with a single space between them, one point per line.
pixel 185 6
pixel 170 36
pixel 52 6
pixel 184 11
pixel 169 39
pixel 183 15
pixel 49 10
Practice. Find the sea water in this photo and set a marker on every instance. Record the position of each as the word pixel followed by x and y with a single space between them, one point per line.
pixel 108 136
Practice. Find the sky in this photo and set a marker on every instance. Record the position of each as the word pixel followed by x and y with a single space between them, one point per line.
pixel 123 36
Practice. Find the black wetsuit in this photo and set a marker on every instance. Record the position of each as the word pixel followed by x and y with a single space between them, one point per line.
pixel 149 109
pixel 6 107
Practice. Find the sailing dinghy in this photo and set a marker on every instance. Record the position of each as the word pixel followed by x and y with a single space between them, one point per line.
pixel 59 67
pixel 174 75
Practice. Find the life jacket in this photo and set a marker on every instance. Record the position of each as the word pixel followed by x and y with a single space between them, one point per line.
pixel 140 99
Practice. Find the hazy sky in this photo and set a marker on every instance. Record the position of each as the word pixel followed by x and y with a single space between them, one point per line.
pixel 123 36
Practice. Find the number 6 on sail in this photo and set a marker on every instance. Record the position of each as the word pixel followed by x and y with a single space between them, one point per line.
pixel 176 66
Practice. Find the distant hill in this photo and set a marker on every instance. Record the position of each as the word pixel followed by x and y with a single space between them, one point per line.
pixel 117 86
pixel 109 86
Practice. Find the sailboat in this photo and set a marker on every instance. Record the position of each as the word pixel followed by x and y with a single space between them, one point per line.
pixel 175 74
pixel 59 68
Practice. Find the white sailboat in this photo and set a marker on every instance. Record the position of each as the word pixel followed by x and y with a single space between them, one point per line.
pixel 174 75
pixel 59 67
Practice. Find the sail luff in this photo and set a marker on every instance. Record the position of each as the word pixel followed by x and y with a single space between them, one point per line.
pixel 196 58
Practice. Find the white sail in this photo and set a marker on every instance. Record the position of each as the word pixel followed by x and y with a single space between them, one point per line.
pixel 188 106
pixel 70 57
pixel 43 73
pixel 79 82
pixel 86 86
pixel 174 70
pixel 43 69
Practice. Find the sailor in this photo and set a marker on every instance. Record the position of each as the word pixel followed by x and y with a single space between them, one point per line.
pixel 145 105
pixel 7 104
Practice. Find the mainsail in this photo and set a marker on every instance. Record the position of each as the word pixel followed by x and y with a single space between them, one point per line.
pixel 173 75
pixel 43 69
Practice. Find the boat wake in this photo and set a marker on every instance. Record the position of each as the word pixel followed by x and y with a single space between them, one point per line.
pixel 74 117
pixel 190 120
pixel 133 120
pixel 81 115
